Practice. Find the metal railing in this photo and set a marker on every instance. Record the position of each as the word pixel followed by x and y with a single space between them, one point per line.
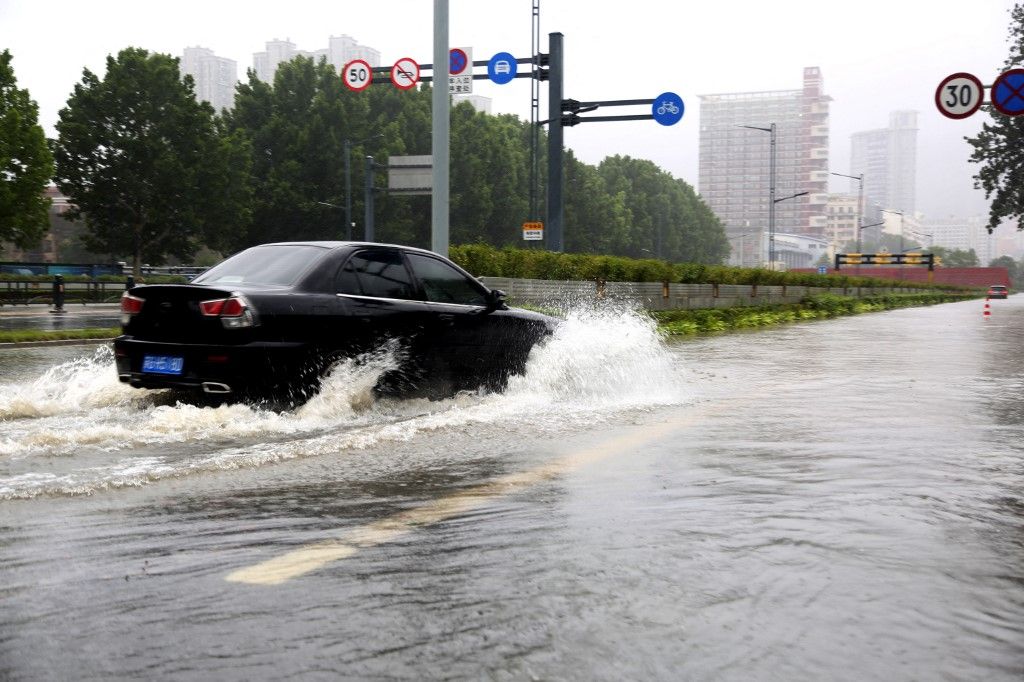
pixel 25 292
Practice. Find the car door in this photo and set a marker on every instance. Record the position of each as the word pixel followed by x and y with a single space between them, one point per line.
pixel 383 306
pixel 463 331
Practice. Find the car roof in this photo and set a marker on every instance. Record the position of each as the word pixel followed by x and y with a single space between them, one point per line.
pixel 339 244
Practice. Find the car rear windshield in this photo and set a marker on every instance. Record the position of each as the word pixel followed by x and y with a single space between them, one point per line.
pixel 275 265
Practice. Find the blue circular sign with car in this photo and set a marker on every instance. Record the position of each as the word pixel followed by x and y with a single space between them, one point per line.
pixel 502 68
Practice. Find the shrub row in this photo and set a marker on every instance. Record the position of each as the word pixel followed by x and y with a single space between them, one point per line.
pixel 483 260
pixel 702 321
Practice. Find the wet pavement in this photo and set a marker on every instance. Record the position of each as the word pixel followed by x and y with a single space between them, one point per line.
pixel 835 500
pixel 74 316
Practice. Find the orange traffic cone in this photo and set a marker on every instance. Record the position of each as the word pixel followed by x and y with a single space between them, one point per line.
pixel 987 312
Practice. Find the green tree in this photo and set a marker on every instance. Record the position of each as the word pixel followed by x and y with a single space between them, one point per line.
pixel 145 164
pixel 956 258
pixel 297 127
pixel 25 163
pixel 999 147
pixel 666 217
pixel 1012 268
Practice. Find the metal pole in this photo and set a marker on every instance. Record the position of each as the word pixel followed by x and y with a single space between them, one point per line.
pixel 368 201
pixel 556 181
pixel 441 131
pixel 771 205
pixel 348 190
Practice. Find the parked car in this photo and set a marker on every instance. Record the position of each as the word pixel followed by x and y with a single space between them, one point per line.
pixel 270 320
pixel 998 291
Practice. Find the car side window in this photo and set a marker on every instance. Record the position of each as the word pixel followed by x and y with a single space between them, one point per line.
pixel 444 284
pixel 381 274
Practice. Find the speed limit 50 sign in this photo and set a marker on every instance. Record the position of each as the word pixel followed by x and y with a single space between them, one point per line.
pixel 959 95
pixel 357 75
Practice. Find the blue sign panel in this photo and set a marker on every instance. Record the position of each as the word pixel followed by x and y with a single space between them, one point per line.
pixel 822 269
pixel 1008 92
pixel 667 108
pixel 502 68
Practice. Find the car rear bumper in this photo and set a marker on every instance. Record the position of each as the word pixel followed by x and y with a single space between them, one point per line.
pixel 215 369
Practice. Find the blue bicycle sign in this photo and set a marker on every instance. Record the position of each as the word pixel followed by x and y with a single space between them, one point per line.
pixel 667 108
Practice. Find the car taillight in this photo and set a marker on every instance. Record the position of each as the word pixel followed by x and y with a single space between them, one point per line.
pixel 234 312
pixel 130 305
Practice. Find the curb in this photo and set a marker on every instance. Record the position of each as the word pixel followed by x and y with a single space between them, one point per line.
pixel 58 342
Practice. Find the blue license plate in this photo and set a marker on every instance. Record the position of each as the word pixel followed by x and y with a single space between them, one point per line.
pixel 162 364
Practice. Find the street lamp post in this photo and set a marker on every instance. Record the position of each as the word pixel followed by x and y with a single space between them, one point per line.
pixel 771 191
pixel 348 182
pixel 860 201
pixel 773 132
pixel 900 214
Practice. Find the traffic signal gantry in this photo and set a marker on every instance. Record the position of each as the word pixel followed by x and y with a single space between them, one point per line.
pixel 666 109
pixel 901 259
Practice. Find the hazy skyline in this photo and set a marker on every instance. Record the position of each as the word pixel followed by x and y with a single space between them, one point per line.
pixel 875 56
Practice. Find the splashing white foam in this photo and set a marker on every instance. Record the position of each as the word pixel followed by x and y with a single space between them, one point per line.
pixel 601 360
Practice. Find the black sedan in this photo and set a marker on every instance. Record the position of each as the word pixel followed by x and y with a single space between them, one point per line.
pixel 270 320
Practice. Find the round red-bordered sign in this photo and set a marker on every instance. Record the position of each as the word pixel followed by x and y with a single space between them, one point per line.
pixel 405 73
pixel 959 95
pixel 357 75
pixel 1007 92
pixel 458 60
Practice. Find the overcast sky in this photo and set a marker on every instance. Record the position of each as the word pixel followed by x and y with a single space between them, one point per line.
pixel 876 56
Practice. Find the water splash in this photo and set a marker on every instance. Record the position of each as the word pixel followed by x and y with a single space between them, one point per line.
pixel 77 430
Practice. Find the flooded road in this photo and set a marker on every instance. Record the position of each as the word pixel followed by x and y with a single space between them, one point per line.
pixel 835 500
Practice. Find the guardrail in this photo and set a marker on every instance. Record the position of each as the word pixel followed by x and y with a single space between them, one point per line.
pixel 651 295
pixel 668 296
pixel 22 292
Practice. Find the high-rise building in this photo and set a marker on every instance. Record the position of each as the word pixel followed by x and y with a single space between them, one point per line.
pixel 340 51
pixel 215 77
pixel 343 49
pixel 962 234
pixel 888 159
pixel 265 63
pixel 735 176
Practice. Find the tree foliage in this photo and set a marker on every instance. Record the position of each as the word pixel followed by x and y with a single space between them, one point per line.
pixel 146 164
pixel 297 129
pixel 25 163
pixel 999 147
pixel 156 174
pixel 956 258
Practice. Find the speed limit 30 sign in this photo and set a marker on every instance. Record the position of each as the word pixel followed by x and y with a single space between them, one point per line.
pixel 357 75
pixel 959 95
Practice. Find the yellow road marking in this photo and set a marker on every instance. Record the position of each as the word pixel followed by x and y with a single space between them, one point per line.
pixel 312 557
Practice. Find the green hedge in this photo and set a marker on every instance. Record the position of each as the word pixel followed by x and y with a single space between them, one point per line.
pixel 482 260
pixel 707 320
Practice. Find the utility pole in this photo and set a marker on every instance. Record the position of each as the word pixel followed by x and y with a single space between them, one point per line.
pixel 441 131
pixel 556 180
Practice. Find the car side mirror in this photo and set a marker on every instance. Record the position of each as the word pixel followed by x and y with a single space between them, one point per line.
pixel 496 299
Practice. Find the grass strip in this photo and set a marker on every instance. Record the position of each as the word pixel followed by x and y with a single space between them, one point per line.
pixel 711 320
pixel 35 335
